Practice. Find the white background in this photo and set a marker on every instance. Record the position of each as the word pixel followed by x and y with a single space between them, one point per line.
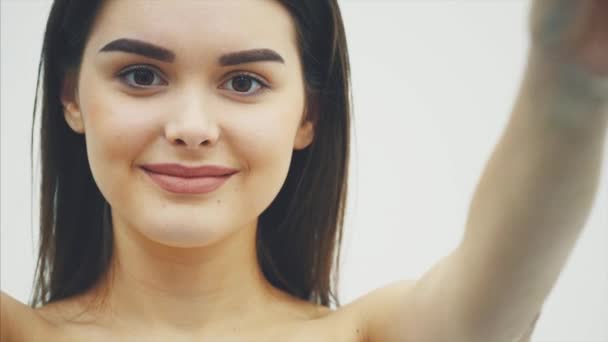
pixel 434 83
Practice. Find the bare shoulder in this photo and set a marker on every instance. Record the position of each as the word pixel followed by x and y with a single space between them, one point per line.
pixel 20 322
pixel 46 323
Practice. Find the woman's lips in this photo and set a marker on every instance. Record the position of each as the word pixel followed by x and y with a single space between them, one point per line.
pixel 189 185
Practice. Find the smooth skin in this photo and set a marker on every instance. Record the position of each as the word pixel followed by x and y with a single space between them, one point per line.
pixel 528 210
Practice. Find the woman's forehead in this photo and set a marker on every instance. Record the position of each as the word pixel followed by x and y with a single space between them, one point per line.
pixel 188 26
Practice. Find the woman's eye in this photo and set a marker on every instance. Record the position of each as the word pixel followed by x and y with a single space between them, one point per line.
pixel 245 85
pixel 141 77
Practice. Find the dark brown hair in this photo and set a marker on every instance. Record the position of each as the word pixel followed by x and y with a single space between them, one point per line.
pixel 299 235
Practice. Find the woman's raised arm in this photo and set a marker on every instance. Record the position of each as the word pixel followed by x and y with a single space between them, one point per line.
pixel 533 198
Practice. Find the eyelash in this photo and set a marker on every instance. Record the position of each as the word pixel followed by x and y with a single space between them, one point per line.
pixel 263 86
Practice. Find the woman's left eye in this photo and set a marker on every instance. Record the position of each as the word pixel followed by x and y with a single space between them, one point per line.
pixel 141 77
pixel 245 84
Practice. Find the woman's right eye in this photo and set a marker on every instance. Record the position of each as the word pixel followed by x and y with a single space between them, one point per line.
pixel 141 77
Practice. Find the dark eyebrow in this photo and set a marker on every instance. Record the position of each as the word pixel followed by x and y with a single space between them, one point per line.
pixel 140 48
pixel 249 56
pixel 156 52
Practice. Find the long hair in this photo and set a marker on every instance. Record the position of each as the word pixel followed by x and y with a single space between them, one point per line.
pixel 299 235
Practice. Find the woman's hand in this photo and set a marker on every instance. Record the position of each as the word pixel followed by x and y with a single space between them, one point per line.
pixel 567 73
pixel 574 32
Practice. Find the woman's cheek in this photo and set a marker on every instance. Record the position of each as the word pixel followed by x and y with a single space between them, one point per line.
pixel 265 140
pixel 116 137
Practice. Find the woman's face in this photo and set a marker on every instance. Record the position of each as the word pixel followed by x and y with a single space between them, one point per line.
pixel 224 89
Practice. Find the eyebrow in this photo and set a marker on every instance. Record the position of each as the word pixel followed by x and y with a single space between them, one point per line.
pixel 150 50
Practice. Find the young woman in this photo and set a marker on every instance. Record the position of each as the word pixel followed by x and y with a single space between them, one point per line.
pixel 194 162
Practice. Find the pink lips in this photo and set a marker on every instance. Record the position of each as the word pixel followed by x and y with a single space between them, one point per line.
pixel 188 180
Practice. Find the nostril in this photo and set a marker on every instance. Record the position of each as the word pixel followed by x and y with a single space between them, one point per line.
pixel 183 142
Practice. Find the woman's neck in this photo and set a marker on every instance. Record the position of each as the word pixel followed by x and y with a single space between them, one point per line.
pixel 186 289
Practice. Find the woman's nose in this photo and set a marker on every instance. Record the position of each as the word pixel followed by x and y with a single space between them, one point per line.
pixel 192 127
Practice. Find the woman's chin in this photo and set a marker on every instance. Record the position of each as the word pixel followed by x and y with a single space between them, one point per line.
pixel 184 235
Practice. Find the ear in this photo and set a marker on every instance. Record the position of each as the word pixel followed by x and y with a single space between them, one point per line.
pixel 71 106
pixel 304 135
pixel 306 130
